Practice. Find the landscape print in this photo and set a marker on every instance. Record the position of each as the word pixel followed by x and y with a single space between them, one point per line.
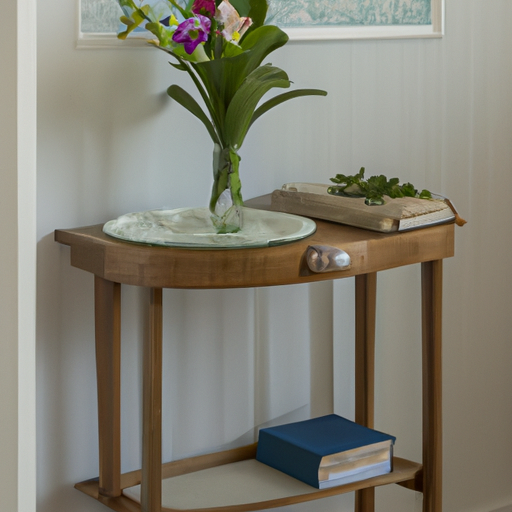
pixel 102 16
pixel 313 13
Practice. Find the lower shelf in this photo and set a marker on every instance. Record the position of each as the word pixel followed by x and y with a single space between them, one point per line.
pixel 234 481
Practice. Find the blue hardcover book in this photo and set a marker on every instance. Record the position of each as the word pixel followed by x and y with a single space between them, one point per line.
pixel 326 451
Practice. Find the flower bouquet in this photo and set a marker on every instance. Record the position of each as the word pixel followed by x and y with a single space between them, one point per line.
pixel 221 45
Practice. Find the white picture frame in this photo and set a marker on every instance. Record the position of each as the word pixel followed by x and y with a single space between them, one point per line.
pixel 106 39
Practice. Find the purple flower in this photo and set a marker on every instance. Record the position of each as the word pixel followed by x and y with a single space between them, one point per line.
pixel 192 32
pixel 205 7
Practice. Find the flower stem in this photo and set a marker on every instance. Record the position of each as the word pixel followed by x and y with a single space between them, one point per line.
pixel 225 176
pixel 226 199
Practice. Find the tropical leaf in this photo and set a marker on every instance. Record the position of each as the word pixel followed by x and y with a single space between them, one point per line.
pixel 254 9
pixel 133 19
pixel 185 12
pixel 243 105
pixel 231 79
pixel 242 6
pixel 281 98
pixel 263 41
pixel 185 100
pixel 231 50
pixel 223 77
pixel 212 101
pixel 163 35
pixel 258 12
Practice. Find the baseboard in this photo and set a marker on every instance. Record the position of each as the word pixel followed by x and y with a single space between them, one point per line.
pixel 508 508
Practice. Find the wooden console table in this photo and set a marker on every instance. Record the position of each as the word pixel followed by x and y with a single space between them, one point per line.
pixel 115 262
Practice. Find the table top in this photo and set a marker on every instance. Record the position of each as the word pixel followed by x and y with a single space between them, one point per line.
pixel 169 267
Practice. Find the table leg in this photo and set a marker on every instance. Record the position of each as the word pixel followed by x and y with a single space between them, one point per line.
pixel 366 292
pixel 431 282
pixel 107 311
pixel 151 485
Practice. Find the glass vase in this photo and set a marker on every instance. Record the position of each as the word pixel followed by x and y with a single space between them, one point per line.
pixel 226 198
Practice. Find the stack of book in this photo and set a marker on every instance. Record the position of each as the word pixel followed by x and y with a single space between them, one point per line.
pixel 327 451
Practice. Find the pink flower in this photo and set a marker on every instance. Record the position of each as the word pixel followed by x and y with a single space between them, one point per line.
pixel 192 32
pixel 204 7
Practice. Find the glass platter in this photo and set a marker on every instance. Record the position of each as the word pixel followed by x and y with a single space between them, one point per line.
pixel 192 228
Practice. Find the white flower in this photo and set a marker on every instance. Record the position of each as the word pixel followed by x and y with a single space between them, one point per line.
pixel 234 26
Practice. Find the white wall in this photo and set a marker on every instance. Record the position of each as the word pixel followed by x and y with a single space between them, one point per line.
pixel 437 113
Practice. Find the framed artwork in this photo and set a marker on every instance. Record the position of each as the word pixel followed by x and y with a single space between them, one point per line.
pixel 301 19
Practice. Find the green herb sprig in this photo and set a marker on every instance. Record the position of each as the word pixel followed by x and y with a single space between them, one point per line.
pixel 374 188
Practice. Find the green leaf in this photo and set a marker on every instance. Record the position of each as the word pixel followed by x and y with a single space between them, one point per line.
pixel 180 66
pixel 254 9
pixel 258 12
pixel 242 6
pixel 243 105
pixel 133 19
pixel 213 104
pixel 184 12
pixel 231 50
pixel 281 98
pixel 263 41
pixel 223 77
pixel 409 190
pixel 163 35
pixel 374 188
pixel 185 100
